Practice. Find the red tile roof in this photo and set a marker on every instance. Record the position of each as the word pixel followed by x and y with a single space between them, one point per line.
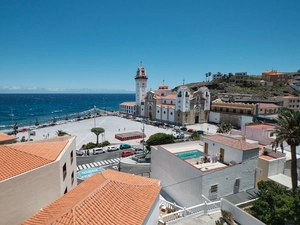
pixel 231 142
pixel 21 157
pixel 108 198
pixel 4 137
pixel 14 162
pixel 47 148
pixel 268 105
pixel 261 126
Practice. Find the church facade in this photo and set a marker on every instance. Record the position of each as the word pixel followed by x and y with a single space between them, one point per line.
pixel 180 107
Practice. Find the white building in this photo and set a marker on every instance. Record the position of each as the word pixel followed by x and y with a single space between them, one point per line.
pixel 190 179
pixel 33 174
pixel 179 107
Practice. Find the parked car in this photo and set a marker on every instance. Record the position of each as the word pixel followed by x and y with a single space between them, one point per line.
pixel 191 130
pixel 200 131
pixel 138 151
pixel 98 151
pixel 127 153
pixel 79 152
pixel 183 128
pixel 178 135
pixel 112 148
pixel 125 146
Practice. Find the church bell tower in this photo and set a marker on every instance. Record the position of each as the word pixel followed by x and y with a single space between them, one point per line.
pixel 140 85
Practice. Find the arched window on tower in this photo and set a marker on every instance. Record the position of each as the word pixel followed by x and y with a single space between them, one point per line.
pixel 179 94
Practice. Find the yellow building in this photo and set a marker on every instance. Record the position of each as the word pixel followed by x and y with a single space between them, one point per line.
pixel 275 77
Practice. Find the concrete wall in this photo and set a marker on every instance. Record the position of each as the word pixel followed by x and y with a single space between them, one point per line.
pixel 246 119
pixel 24 195
pixel 180 180
pixel 225 178
pixel 214 117
pixel 153 215
pixel 230 154
pixel 239 215
pixel 71 167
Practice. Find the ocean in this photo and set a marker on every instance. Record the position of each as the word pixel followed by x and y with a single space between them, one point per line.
pixel 25 109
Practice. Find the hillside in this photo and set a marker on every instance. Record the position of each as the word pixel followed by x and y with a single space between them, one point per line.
pixel 258 91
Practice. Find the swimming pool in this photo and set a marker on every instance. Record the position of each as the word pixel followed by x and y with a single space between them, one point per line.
pixel 190 154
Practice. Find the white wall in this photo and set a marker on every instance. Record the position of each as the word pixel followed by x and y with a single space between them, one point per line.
pixel 239 215
pixel 180 180
pixel 158 113
pixel 214 117
pixel 24 195
pixel 230 154
pixel 164 116
pixel 171 117
pixel 246 119
pixel 153 215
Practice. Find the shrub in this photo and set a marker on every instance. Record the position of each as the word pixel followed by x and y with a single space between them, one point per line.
pixel 105 143
pixel 90 145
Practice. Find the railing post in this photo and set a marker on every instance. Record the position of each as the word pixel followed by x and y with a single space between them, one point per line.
pixel 205 208
pixel 184 213
pixel 221 203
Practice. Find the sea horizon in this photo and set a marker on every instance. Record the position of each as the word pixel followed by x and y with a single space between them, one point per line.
pixel 27 108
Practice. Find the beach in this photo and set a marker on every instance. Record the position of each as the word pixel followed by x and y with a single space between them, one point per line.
pixel 112 124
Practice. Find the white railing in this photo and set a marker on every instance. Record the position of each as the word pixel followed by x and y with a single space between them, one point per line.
pixel 181 213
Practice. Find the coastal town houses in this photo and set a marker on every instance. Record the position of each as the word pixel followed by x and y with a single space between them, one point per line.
pixel 192 173
pixel 180 107
pixel 33 174
pixel 239 113
pixel 289 101
pixel 275 77
pixel 110 197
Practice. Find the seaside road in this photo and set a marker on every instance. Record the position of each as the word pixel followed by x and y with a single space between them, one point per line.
pixel 112 125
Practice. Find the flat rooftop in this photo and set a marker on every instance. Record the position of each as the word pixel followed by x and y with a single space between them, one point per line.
pixel 198 162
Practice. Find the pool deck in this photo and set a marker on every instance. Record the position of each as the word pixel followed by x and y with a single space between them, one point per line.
pixel 196 162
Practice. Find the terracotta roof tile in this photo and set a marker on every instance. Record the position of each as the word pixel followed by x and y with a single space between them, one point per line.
pixel 21 157
pixel 14 162
pixel 108 198
pixel 4 137
pixel 46 148
pixel 231 142
pixel 261 126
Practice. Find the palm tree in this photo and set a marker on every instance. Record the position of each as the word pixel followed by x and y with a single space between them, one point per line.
pixel 97 131
pixel 206 76
pixel 288 130
pixel 61 133
pixel 209 74
pixel 36 122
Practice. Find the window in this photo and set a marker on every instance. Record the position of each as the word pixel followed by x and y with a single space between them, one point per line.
pixel 249 112
pixel 71 157
pixel 164 112
pixel 227 110
pixel 171 113
pixel 241 111
pixel 157 111
pixel 66 190
pixel 64 171
pixel 72 177
pixel 234 110
pixel 237 185
pixel 213 191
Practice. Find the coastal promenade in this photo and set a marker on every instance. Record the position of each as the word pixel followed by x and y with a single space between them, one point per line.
pixel 112 124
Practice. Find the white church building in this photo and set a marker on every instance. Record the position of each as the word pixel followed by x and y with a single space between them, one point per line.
pixel 181 106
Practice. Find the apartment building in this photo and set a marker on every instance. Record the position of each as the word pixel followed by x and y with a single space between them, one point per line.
pixel 192 173
pixel 290 101
pixel 33 174
pixel 275 77
pixel 238 78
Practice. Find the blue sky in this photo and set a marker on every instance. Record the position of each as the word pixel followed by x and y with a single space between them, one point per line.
pixel 96 46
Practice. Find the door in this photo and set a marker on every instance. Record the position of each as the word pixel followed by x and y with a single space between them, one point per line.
pixel 206 148
pixel 196 119
pixel 221 155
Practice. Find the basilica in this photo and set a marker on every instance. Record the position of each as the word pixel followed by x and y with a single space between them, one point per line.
pixel 180 107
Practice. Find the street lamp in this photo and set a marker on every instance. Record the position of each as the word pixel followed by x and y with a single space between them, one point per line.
pixel 94 116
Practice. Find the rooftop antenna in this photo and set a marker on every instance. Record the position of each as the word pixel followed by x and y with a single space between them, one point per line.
pixel 163 81
pixel 183 81
pixel 141 63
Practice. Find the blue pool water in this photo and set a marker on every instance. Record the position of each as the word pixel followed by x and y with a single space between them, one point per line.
pixel 190 154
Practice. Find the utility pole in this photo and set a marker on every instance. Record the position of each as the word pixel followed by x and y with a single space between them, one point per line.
pixel 94 116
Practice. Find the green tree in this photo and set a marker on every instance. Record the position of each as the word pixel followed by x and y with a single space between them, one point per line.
pixel 159 139
pixel 225 127
pixel 61 133
pixel 195 136
pixel 288 130
pixel 275 204
pixel 97 131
